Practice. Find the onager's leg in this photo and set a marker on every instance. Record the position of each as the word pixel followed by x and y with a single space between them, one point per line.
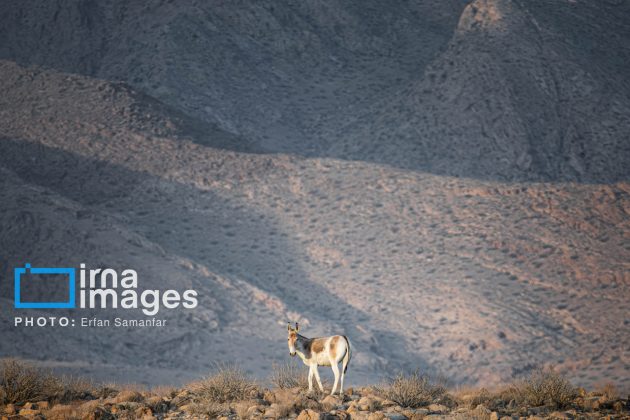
pixel 335 368
pixel 319 381
pixel 343 373
pixel 310 379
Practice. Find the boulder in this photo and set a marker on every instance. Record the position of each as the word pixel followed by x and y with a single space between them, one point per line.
pixel 309 414
pixel 29 412
pixel 359 415
pixel 396 416
pixel 61 412
pixel 181 399
pixel 98 413
pixel 331 401
pixel 128 396
pixel 157 404
pixel 255 411
pixel 482 410
pixel 42 405
pixel 415 413
pixel 559 415
pixel 275 411
pixel 340 415
pixel 368 404
pixel 143 412
pixel 591 403
pixel 438 408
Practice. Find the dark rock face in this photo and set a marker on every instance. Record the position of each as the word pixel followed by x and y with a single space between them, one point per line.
pixel 515 96
pixel 493 89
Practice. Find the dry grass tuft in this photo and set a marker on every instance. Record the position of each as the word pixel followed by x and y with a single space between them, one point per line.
pixel 412 390
pixel 545 386
pixel 289 375
pixel 229 383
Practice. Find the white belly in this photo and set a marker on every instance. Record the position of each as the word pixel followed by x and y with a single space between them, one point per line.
pixel 322 359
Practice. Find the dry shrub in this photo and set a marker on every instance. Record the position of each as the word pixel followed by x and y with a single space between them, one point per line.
pixel 471 397
pixel 242 407
pixel 544 386
pixel 494 399
pixel 228 383
pixel 72 388
pixel 289 375
pixel 412 390
pixel 608 391
pixel 21 382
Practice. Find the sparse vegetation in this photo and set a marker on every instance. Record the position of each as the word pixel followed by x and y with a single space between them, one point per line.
pixel 21 382
pixel 289 375
pixel 229 383
pixel 545 386
pixel 30 392
pixel 412 390
pixel 609 391
pixel 208 408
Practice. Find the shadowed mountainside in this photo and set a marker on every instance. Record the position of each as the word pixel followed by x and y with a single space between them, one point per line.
pixel 530 90
pixel 490 89
pixel 478 280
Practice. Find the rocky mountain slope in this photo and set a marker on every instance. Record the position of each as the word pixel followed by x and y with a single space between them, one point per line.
pixel 524 90
pixel 269 70
pixel 489 89
pixel 477 280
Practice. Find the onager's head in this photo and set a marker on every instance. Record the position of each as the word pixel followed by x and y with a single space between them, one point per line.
pixel 293 336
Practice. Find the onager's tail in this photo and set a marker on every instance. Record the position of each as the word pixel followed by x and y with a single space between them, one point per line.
pixel 348 355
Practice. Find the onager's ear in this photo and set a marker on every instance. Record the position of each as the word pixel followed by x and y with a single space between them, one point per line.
pixel 297 327
pixel 288 326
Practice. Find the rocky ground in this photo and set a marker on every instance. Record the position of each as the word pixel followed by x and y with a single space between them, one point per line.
pixel 360 404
